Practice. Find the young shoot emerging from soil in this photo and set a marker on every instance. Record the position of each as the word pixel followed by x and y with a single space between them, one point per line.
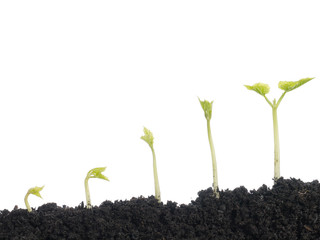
pixel 148 138
pixel 93 173
pixel 34 191
pixel 207 108
pixel 263 89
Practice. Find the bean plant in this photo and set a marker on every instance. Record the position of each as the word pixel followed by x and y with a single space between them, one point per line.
pixel 148 138
pixel 207 108
pixel 34 191
pixel 93 173
pixel 263 89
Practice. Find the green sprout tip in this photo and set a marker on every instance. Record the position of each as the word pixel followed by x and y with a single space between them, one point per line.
pixel 148 138
pixel 207 108
pixel 35 191
pixel 93 173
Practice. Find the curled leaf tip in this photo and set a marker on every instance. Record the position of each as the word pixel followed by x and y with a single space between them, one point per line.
pixel 207 108
pixel 288 86
pixel 260 88
pixel 36 191
pixel 97 173
pixel 148 137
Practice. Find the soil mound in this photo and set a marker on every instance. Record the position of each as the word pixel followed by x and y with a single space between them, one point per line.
pixel 289 210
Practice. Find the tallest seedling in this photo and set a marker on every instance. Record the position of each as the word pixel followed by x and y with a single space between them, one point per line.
pixel 263 89
pixel 207 108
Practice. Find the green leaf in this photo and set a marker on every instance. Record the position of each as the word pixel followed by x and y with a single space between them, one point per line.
pixel 207 108
pixel 260 88
pixel 36 191
pixel 289 86
pixel 97 173
pixel 148 137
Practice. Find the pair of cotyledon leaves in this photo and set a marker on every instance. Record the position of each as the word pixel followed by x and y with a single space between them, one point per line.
pixel 287 86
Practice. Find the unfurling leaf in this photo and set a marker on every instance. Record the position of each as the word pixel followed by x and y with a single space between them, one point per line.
pixel 97 173
pixel 289 86
pixel 260 88
pixel 36 191
pixel 148 137
pixel 207 108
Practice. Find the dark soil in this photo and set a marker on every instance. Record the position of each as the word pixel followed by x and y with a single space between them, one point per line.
pixel 290 210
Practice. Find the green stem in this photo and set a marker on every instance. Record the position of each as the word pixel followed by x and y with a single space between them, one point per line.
pixel 268 101
pixel 275 106
pixel 280 99
pixel 276 143
pixel 155 174
pixel 86 186
pixel 27 203
pixel 214 162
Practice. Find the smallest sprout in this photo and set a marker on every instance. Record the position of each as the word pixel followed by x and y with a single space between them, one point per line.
pixel 93 173
pixel 34 191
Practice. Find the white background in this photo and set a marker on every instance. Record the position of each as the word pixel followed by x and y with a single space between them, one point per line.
pixel 80 79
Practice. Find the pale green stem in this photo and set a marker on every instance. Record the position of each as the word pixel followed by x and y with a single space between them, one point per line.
pixel 275 106
pixel 27 203
pixel 214 162
pixel 280 99
pixel 155 174
pixel 268 101
pixel 276 143
pixel 86 186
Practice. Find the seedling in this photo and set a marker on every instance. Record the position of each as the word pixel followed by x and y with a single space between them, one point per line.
pixel 207 108
pixel 34 191
pixel 148 137
pixel 263 89
pixel 93 173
